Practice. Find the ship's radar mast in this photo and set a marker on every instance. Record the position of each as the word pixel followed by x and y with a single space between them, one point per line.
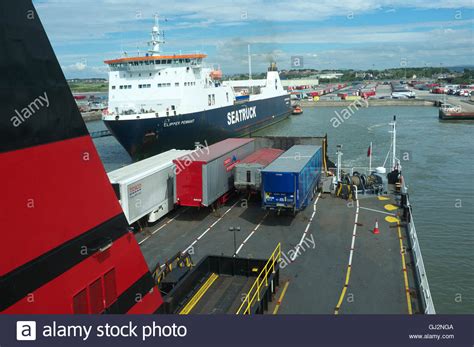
pixel 395 161
pixel 156 38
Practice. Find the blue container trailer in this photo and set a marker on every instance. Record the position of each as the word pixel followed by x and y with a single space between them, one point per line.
pixel 290 182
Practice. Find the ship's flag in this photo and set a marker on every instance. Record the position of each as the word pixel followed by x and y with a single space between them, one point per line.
pixel 369 151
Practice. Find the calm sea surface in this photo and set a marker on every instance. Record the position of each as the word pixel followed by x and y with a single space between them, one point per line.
pixel 438 172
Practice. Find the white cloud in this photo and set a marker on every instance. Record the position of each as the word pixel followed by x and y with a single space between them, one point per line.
pixel 106 27
pixel 78 66
pixel 95 19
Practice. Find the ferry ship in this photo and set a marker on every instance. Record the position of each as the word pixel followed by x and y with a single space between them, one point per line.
pixel 163 101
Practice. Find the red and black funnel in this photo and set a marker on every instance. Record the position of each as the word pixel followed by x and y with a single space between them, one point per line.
pixel 64 244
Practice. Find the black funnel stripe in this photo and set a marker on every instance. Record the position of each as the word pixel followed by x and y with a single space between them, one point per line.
pixel 129 297
pixel 36 104
pixel 34 274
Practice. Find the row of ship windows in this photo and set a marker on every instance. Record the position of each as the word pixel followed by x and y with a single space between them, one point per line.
pixel 159 73
pixel 157 62
pixel 160 85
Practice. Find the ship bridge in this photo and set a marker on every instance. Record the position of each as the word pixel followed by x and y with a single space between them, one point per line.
pixel 156 62
pixel 154 59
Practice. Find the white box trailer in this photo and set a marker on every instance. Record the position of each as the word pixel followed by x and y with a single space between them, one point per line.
pixel 147 187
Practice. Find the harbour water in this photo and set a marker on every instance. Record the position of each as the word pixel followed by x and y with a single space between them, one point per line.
pixel 437 163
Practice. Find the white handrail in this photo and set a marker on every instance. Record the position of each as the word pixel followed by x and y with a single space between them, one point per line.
pixel 420 275
pixel 420 267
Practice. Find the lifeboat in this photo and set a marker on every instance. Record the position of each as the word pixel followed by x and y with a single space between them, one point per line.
pixel 216 74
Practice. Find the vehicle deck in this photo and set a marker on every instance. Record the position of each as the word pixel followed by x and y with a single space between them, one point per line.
pixel 340 266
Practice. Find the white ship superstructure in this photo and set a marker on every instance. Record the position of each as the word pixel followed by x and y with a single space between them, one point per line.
pixel 157 85
pixel 165 87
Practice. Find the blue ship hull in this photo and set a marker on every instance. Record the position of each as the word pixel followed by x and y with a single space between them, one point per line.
pixel 143 138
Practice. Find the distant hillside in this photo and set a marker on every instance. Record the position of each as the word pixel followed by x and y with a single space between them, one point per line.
pixel 82 85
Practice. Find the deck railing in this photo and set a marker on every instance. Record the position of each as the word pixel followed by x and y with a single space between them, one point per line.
pixel 350 170
pixel 421 276
pixel 253 294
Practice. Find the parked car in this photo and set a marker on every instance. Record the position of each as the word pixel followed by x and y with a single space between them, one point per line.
pixel 403 94
pixel 453 91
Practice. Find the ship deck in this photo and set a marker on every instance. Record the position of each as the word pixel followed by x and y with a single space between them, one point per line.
pixel 332 262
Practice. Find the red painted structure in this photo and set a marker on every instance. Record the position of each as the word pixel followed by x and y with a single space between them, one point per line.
pixel 263 156
pixel 65 244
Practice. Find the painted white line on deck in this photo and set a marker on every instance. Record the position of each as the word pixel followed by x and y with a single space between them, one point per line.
pixel 354 234
pixel 212 225
pixel 349 264
pixel 205 232
pixel 379 211
pixel 303 237
pixel 251 234
pixel 162 226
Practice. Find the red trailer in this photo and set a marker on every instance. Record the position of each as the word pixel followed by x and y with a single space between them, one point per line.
pixel 206 174
pixel 247 172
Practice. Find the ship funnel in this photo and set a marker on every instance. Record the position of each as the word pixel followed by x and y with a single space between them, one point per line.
pixel 70 250
pixel 273 67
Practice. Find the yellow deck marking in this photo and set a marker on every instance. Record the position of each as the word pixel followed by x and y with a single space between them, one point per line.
pixel 404 267
pixel 199 294
pixel 390 207
pixel 343 293
pixel 280 299
pixel 383 198
pixel 391 219
pixel 349 265
pixel 348 275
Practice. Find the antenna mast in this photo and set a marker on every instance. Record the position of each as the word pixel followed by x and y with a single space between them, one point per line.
pixel 250 62
pixel 156 39
pixel 393 124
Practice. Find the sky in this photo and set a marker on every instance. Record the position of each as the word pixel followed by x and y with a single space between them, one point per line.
pixel 323 34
